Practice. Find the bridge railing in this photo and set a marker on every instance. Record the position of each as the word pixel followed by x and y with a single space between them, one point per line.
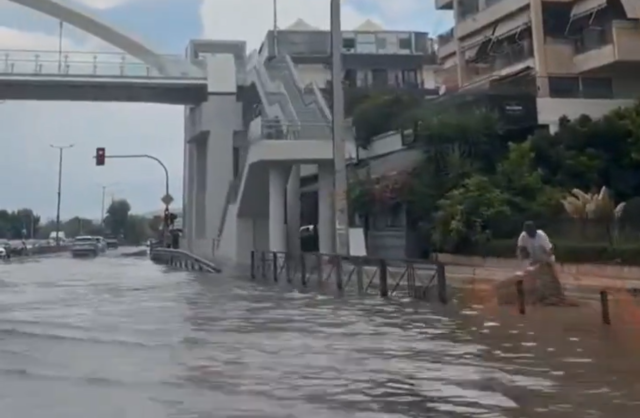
pixel 76 64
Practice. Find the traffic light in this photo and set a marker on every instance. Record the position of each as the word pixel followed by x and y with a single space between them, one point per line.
pixel 100 156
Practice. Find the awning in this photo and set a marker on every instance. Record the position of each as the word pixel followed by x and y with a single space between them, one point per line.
pixel 508 27
pixel 632 7
pixel 585 7
pixel 471 45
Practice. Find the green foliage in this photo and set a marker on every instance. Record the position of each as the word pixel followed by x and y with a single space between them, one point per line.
pixel 467 212
pixel 14 224
pixel 477 183
pixel 380 114
pixel 116 220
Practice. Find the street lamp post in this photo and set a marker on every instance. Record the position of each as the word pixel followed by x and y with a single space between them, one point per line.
pixel 104 192
pixel 60 149
pixel 339 159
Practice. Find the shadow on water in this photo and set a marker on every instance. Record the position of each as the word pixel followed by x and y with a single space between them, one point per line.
pixel 123 337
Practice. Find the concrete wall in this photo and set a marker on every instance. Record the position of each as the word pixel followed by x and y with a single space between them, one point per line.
pixel 209 139
pixel 550 110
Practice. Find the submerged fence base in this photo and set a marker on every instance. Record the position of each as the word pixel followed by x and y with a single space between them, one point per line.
pixel 183 260
pixel 419 279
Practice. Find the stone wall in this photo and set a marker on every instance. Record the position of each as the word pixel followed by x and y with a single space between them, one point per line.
pixel 493 268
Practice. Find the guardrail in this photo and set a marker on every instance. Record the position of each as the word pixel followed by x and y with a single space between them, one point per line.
pixel 418 279
pixel 95 64
pixel 182 260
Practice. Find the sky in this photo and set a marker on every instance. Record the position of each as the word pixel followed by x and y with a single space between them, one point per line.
pixel 28 129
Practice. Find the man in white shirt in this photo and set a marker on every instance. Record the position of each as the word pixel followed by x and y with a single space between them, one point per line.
pixel 534 245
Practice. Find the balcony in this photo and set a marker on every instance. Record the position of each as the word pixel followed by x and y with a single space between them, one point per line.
pixel 444 4
pixel 446 44
pixel 495 11
pixel 615 44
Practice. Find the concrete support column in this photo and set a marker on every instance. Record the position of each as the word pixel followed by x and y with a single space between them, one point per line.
pixel 293 210
pixel 539 48
pixel 277 184
pixel 326 220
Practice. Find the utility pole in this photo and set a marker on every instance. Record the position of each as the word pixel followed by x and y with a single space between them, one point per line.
pixel 275 27
pixel 60 47
pixel 60 149
pixel 104 190
pixel 337 117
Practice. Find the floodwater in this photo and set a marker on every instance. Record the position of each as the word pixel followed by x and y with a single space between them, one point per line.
pixel 122 337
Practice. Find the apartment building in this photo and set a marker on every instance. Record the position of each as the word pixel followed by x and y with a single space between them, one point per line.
pixel 373 58
pixel 575 56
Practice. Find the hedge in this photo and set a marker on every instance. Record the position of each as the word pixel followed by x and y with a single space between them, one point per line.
pixel 570 252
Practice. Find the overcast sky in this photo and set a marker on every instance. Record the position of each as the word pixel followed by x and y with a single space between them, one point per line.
pixel 29 165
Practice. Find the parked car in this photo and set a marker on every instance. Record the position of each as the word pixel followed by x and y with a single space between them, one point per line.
pixel 3 254
pixel 112 243
pixel 85 246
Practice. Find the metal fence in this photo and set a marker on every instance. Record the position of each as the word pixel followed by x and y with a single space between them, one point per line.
pixel 418 279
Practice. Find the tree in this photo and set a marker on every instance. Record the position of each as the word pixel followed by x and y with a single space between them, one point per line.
pixel 117 216
pixel 22 223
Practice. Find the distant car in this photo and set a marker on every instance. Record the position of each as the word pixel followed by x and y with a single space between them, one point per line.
pixel 85 246
pixel 3 253
pixel 6 245
pixel 112 243
pixel 102 244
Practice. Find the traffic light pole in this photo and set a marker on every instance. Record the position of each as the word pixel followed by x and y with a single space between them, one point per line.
pixel 151 157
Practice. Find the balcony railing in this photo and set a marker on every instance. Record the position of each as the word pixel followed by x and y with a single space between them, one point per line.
pixel 515 55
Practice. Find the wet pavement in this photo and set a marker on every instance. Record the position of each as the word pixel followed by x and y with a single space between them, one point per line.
pixel 122 337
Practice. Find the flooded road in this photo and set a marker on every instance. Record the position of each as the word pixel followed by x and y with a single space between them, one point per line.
pixel 122 337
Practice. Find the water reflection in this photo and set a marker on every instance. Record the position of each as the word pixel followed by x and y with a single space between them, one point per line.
pixel 122 337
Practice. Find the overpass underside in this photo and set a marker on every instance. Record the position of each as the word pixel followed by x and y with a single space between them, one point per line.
pixel 103 89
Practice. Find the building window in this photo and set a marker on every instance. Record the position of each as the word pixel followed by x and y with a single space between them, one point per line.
pixel 597 88
pixel 349 43
pixel 410 78
pixel 564 87
pixel 379 77
pixel 405 43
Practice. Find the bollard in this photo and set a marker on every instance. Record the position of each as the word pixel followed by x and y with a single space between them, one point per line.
pixel 303 270
pixel 442 283
pixel 384 286
pixel 604 304
pixel 263 261
pixel 520 292
pixel 274 268
pixel 338 260
pixel 253 265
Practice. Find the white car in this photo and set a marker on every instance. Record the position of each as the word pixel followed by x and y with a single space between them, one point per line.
pixel 85 246
pixel 3 252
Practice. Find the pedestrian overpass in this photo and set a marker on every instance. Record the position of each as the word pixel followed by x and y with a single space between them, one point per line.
pixel 96 77
pixel 232 101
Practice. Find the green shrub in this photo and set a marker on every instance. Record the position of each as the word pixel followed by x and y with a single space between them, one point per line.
pixel 570 252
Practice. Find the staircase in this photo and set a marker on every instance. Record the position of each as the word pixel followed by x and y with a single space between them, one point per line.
pixel 314 119
pixel 289 110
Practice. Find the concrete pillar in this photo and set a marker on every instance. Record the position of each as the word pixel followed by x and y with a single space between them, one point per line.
pixel 293 210
pixel 539 48
pixel 326 222
pixel 277 185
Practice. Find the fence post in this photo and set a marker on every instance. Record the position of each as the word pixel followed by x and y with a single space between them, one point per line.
pixel 442 283
pixel 263 260
pixel 253 264
pixel 274 268
pixel 287 266
pixel 604 303
pixel 521 301
pixel 320 274
pixel 384 286
pixel 338 260
pixel 360 275
pixel 303 270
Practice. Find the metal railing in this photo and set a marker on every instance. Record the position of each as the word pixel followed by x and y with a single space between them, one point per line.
pixel 182 260
pixel 69 64
pixel 418 279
